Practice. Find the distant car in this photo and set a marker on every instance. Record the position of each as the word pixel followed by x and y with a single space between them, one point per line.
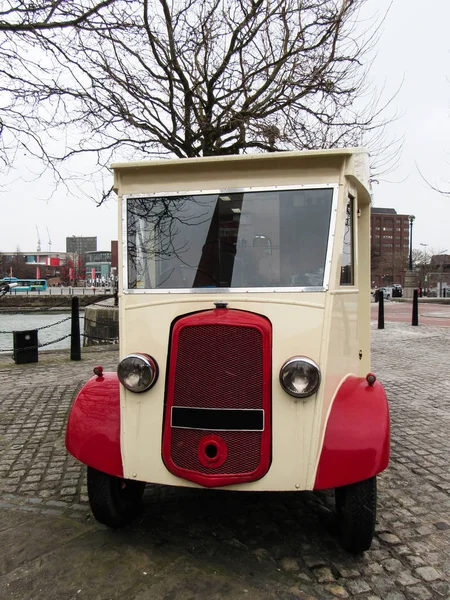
pixel 382 290
pixel 397 290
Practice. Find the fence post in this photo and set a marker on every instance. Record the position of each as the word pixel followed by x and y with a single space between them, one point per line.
pixel 380 310
pixel 415 309
pixel 75 346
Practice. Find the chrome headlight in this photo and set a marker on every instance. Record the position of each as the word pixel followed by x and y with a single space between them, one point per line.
pixel 300 377
pixel 137 372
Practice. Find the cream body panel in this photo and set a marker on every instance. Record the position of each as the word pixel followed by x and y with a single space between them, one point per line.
pixel 340 354
pixel 297 329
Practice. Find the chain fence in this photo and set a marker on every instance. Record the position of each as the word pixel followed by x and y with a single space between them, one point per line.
pixel 85 336
pixel 40 328
pixel 66 306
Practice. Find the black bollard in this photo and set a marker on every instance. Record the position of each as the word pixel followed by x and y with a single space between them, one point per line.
pixel 415 309
pixel 75 346
pixel 380 310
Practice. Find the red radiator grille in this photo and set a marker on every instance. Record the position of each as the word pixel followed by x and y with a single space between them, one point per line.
pixel 244 450
pixel 219 366
pixel 219 359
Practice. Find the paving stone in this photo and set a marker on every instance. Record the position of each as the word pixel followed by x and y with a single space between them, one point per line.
pixel 394 595
pixel 442 525
pixel 336 590
pixel 373 569
pixel 414 561
pixel 297 593
pixel 393 565
pixel 406 578
pixel 389 538
pixel 57 503
pixel 349 573
pixel 323 575
pixel 357 586
pixel 33 479
pixel 428 573
pixel 441 588
pixel 418 592
pixel 425 530
pixel 313 561
pixel 289 564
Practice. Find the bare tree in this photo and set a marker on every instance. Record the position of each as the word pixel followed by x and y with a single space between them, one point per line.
pixel 17 16
pixel 23 27
pixel 431 186
pixel 183 78
pixel 388 267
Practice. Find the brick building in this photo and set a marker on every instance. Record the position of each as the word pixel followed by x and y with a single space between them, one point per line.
pixel 389 246
pixel 81 245
pixel 438 275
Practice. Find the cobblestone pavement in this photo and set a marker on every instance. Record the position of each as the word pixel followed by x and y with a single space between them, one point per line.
pixel 191 544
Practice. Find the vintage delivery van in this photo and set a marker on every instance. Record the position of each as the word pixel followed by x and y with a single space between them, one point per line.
pixel 244 337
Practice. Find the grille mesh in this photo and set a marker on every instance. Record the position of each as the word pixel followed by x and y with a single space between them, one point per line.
pixel 243 451
pixel 219 366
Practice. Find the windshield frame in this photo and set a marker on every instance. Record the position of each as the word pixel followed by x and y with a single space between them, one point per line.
pixel 232 290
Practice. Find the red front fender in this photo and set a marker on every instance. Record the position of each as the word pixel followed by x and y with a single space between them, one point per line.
pixel 357 436
pixel 93 428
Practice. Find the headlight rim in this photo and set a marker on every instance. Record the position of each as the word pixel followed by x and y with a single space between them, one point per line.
pixel 307 360
pixel 150 361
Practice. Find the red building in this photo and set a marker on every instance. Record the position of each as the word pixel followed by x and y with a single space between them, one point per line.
pixel 389 246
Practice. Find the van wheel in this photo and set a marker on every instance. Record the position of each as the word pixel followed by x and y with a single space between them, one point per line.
pixel 356 511
pixel 114 501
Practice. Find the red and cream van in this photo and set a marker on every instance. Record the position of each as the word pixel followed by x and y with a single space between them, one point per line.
pixel 244 337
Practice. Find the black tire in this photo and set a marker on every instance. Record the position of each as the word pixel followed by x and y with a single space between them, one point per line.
pixel 114 501
pixel 356 512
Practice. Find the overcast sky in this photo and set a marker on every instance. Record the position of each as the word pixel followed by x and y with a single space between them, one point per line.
pixel 414 48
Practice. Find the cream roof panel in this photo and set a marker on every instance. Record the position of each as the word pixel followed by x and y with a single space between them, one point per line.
pixel 239 157
pixel 241 171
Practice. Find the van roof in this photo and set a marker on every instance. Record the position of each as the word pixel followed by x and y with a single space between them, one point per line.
pixel 237 157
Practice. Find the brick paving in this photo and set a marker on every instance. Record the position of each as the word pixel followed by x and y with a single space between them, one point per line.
pixel 214 544
pixel 430 312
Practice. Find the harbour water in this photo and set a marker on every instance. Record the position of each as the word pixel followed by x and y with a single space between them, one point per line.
pixel 51 325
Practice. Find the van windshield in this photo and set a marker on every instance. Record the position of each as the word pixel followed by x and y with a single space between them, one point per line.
pixel 257 239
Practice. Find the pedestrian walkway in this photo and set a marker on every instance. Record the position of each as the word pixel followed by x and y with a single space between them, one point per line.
pixel 401 312
pixel 205 544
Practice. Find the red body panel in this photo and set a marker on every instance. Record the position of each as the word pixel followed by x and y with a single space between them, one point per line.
pixel 357 436
pixel 232 464
pixel 93 429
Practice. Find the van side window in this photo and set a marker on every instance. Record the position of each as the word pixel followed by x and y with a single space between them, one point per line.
pixel 347 264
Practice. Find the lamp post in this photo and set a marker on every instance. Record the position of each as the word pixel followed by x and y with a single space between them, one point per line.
pixel 73 260
pixel 425 267
pixel 441 269
pixel 411 221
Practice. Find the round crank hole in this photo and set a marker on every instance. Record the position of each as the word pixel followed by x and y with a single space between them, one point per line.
pixel 211 451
